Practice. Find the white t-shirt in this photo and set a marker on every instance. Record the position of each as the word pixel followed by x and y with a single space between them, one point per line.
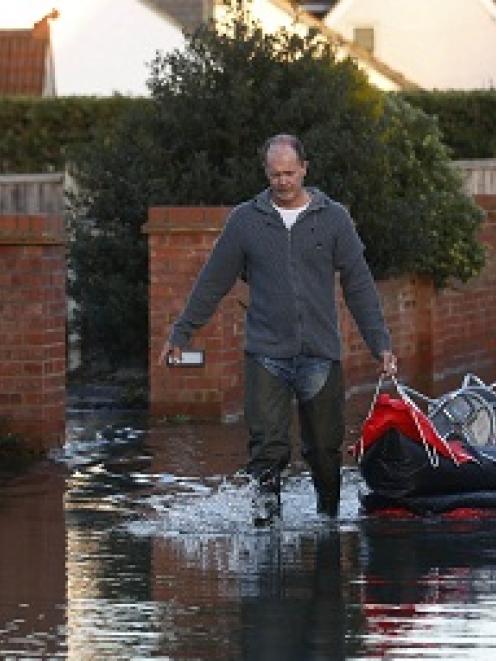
pixel 289 216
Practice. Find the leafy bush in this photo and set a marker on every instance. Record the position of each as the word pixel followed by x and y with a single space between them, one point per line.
pixel 422 222
pixel 213 105
pixel 116 177
pixel 467 119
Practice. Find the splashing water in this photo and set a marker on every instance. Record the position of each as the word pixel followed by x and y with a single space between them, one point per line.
pixel 223 506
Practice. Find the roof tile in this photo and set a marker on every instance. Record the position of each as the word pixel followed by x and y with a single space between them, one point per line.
pixel 23 60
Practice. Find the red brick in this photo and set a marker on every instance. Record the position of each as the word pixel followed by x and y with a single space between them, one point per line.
pixel 217 215
pixel 179 216
pixel 9 399
pixel 156 214
pixel 31 399
pixel 487 202
pixel 33 368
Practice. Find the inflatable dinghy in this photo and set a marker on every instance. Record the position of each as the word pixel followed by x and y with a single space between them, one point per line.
pixel 434 462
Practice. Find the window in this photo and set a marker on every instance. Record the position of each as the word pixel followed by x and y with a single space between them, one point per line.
pixel 364 37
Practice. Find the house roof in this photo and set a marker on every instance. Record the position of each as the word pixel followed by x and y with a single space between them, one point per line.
pixel 448 34
pixel 316 8
pixel 25 60
pixel 351 48
pixel 190 13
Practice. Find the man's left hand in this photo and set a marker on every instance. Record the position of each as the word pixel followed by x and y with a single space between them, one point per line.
pixel 389 363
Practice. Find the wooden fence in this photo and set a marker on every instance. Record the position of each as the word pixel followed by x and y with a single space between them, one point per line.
pixel 479 176
pixel 32 193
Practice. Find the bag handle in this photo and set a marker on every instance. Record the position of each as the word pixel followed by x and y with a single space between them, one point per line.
pixel 431 452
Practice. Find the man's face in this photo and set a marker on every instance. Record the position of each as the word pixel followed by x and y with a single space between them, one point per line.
pixel 285 173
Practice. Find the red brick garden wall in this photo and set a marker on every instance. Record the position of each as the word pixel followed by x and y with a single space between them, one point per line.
pixel 32 327
pixel 464 318
pixel 438 336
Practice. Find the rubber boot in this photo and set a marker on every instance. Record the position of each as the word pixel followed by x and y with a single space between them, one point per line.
pixel 322 433
pixel 267 498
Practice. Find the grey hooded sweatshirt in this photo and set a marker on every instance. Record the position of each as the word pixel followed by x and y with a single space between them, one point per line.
pixel 291 279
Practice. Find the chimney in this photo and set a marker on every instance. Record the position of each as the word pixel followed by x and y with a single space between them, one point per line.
pixel 41 29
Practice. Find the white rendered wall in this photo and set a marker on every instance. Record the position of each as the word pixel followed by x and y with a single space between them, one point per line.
pixel 435 43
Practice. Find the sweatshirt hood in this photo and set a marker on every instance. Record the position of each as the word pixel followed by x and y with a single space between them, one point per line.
pixel 318 199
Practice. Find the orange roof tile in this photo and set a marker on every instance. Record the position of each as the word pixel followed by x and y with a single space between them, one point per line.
pixel 24 59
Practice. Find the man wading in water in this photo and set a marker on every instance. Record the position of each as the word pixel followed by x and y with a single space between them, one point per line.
pixel 288 242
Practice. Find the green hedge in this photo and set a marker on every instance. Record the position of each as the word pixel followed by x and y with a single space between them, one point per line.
pixel 37 134
pixel 467 119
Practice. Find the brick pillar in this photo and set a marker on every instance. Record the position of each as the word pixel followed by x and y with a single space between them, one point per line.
pixel 180 239
pixel 32 327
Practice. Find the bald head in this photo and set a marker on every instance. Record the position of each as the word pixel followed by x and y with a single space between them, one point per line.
pixel 286 167
pixel 284 140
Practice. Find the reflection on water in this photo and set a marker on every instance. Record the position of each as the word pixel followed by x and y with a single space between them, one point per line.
pixel 138 545
pixel 32 567
pixel 430 587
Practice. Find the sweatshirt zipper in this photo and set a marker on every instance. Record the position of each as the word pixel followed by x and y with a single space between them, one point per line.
pixel 293 280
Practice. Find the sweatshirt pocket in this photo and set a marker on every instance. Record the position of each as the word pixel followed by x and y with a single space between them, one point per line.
pixel 316 245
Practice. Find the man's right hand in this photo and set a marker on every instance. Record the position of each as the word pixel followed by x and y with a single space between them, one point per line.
pixel 389 363
pixel 169 350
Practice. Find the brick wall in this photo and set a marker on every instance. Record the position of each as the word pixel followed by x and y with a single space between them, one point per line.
pixel 32 327
pixel 407 303
pixel 464 318
pixel 438 336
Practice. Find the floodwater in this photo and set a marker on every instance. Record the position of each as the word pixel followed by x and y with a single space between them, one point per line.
pixel 136 543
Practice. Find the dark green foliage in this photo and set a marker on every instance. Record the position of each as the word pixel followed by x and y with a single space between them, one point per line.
pixel 213 105
pixel 419 221
pixel 37 133
pixel 221 98
pixel 116 176
pixel 467 119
